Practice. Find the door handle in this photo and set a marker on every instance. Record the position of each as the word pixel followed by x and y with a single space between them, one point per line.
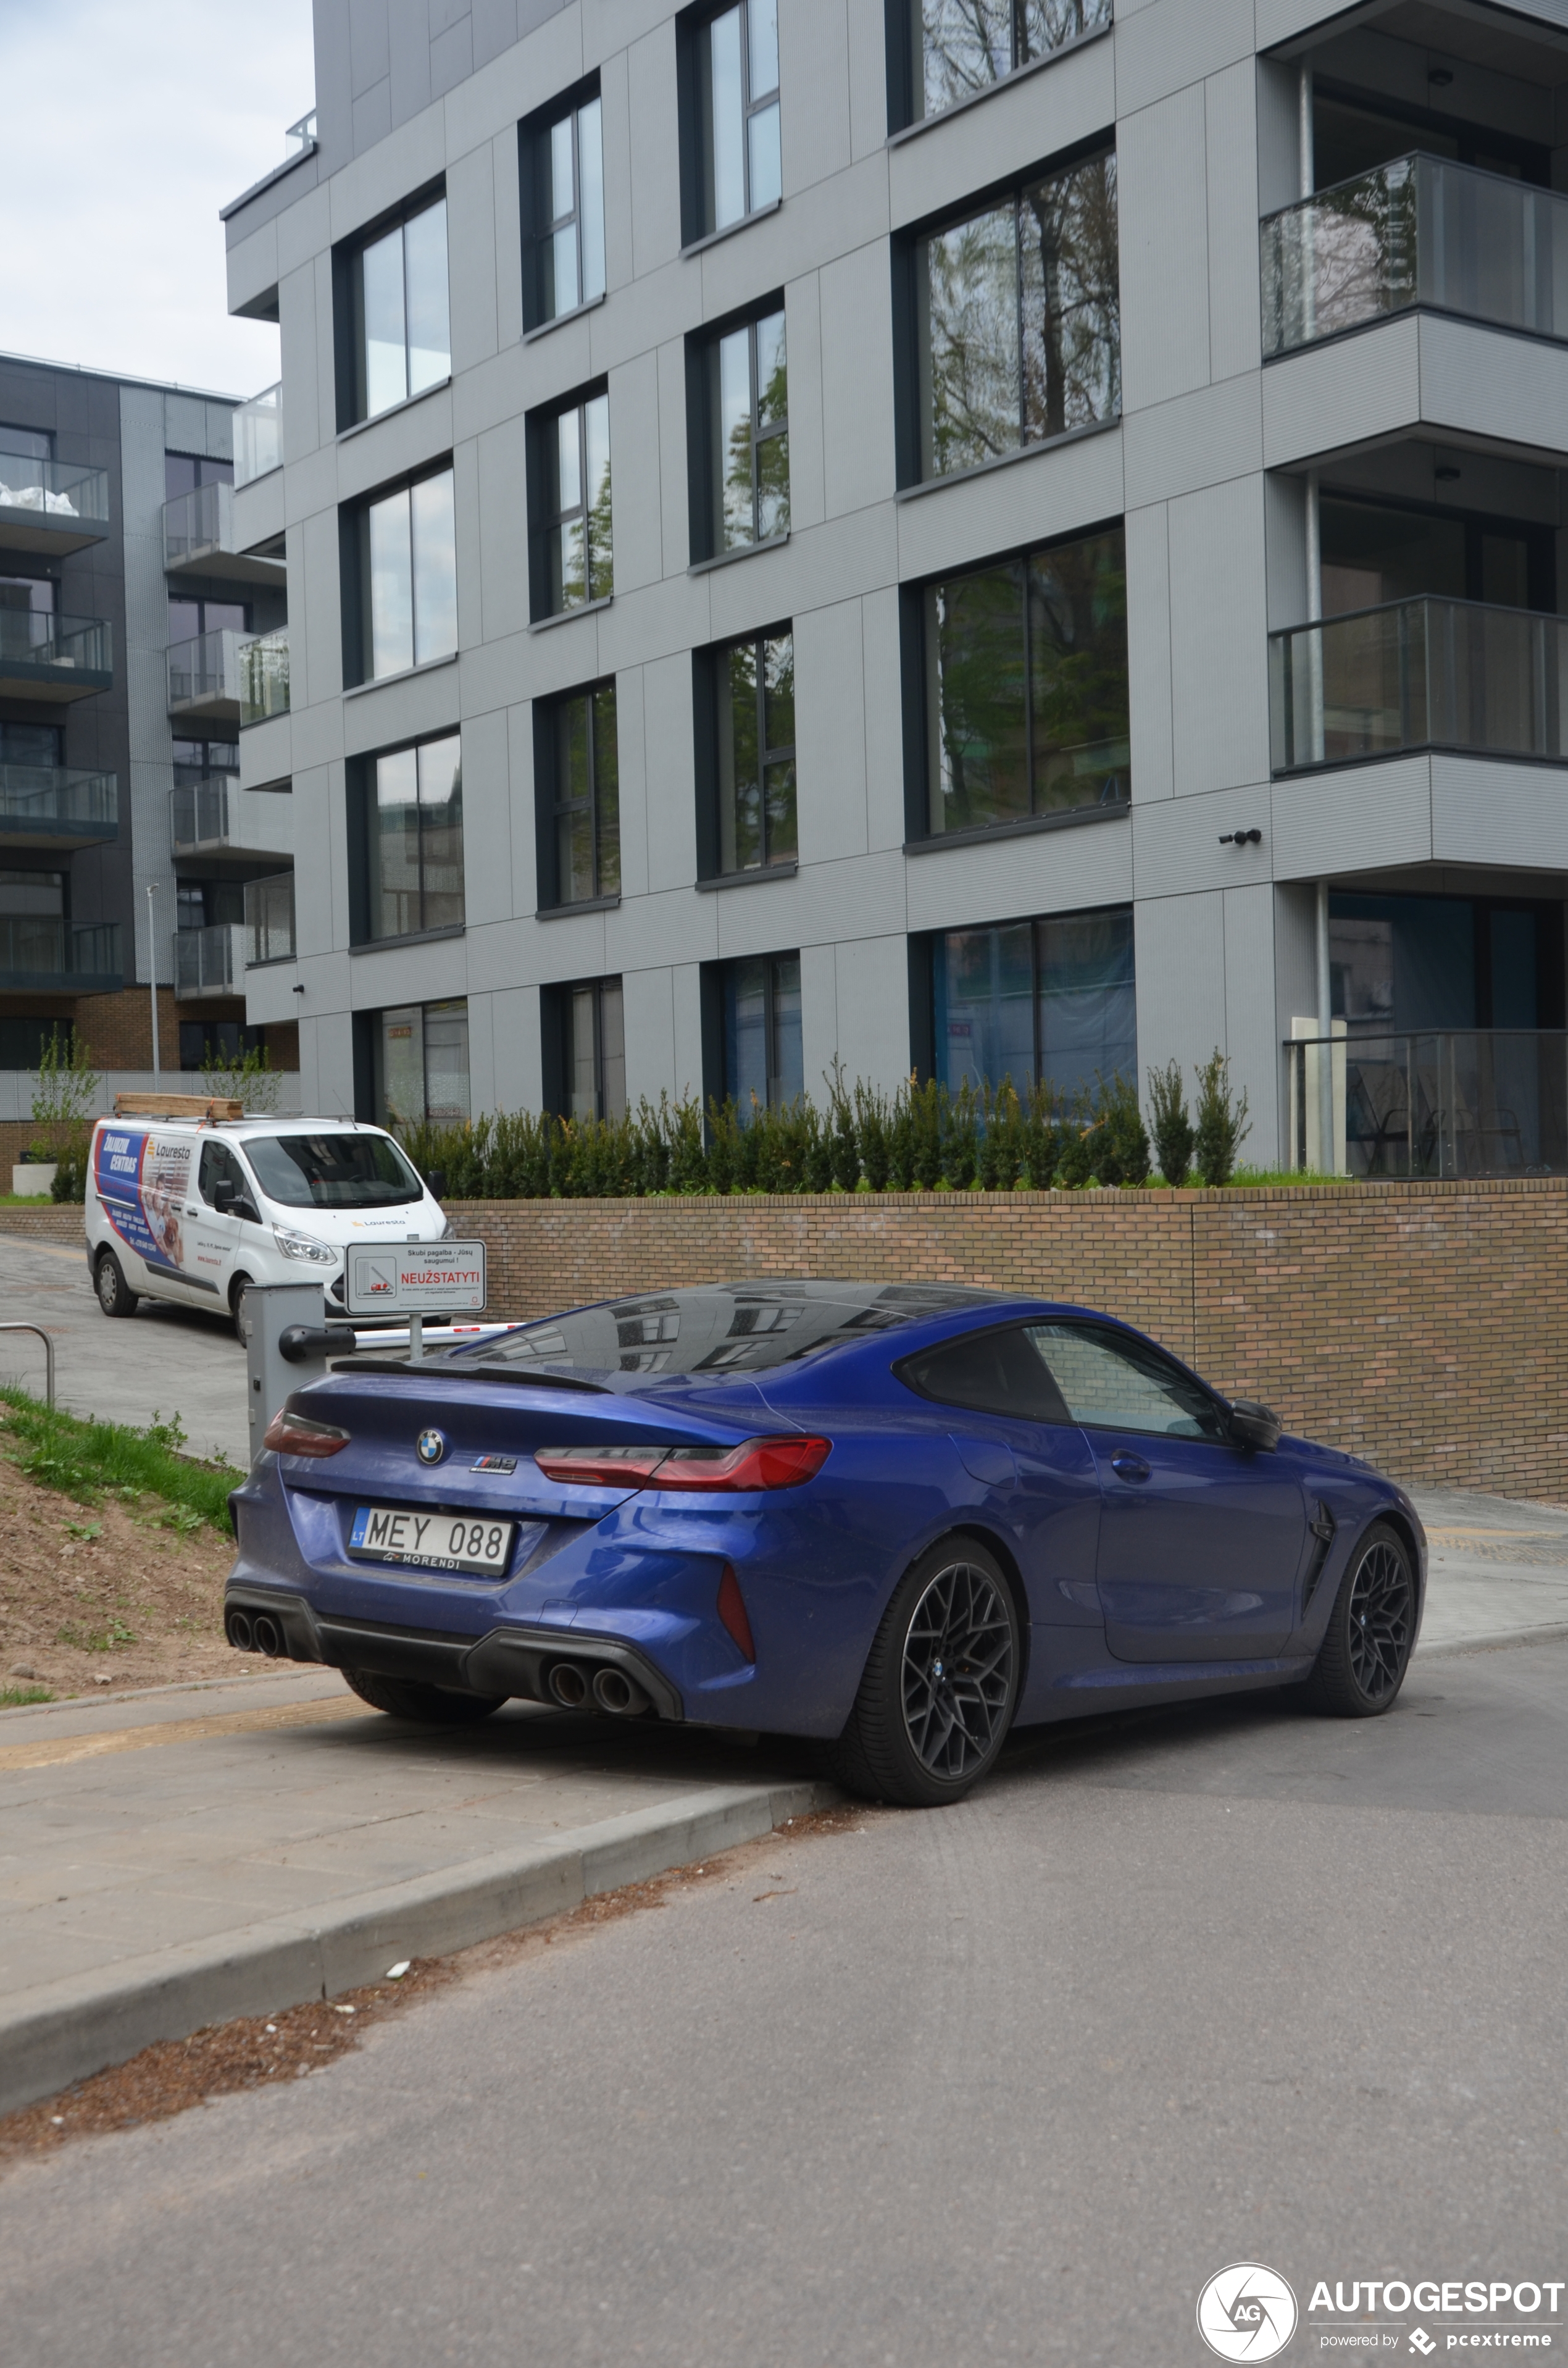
pixel 1130 1467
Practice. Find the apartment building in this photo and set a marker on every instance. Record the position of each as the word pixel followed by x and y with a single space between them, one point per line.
pixel 133 643
pixel 971 536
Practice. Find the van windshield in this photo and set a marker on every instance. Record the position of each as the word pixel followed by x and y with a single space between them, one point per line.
pixel 333 1171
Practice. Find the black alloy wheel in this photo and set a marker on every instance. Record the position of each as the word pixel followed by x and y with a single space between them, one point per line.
pixel 115 1295
pixel 1372 1630
pixel 941 1682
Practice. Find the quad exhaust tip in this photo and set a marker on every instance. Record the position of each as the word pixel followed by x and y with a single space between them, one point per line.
pixel 571 1685
pixel 255 1632
pixel 240 1633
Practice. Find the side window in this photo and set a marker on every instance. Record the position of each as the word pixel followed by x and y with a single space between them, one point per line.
pixel 219 1166
pixel 990 1372
pixel 214 1164
pixel 1111 1384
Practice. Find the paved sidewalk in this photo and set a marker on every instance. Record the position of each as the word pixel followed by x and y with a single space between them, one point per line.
pixel 1499 1567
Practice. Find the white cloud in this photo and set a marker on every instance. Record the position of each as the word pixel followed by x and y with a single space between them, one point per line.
pixel 128 124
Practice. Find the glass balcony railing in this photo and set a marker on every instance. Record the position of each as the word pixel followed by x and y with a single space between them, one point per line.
pixel 205 672
pixel 263 678
pixel 269 920
pixel 1416 231
pixel 199 814
pixel 198 521
pixel 301 135
pixel 56 802
pixel 48 656
pixel 1482 1101
pixel 258 435
pixel 53 489
pixel 1419 674
pixel 210 961
pixel 40 950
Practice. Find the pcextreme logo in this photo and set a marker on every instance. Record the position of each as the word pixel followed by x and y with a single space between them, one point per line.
pixel 1247 2312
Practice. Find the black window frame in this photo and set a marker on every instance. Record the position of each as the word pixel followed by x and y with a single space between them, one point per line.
pixel 556 1004
pixel 549 808
pixel 534 183
pixel 718 1085
pixel 905 61
pixel 349 365
pixel 695 102
pixel 923 949
pixel 708 665
pixel 359 785
pixel 705 461
pixel 354 570
pixel 545 518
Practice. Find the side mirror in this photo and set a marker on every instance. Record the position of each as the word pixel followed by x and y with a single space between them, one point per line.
pixel 436 1184
pixel 225 1195
pixel 1255 1425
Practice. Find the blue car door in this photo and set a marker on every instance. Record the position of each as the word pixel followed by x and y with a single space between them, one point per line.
pixel 1200 1541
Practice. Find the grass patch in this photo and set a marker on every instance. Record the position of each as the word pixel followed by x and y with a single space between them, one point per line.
pixel 87 1460
pixel 23 1697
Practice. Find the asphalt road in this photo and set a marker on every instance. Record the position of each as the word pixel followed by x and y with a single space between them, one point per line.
pixel 1007 2082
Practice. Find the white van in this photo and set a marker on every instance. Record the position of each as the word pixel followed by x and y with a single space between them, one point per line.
pixel 193 1209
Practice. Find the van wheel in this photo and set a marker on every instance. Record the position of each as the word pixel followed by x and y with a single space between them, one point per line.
pixel 238 1290
pixel 115 1295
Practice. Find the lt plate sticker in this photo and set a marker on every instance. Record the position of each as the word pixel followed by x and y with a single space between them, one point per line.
pixel 431 1540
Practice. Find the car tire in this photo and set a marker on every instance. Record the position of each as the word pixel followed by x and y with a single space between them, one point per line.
pixel 940 1684
pixel 237 1290
pixel 430 1705
pixel 115 1295
pixel 1371 1631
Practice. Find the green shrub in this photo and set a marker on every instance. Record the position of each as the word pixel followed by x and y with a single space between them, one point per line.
pixel 1173 1128
pixel 1223 1123
pixel 1123 1156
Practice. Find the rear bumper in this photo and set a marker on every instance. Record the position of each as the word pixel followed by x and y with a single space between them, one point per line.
pixel 512 1658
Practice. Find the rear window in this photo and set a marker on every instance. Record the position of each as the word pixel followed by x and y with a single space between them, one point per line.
pixel 720 1330
pixel 988 1372
pixel 333 1171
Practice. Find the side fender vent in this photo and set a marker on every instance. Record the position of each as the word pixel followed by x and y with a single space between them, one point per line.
pixel 1321 1525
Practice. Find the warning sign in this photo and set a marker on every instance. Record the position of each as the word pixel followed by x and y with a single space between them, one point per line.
pixel 415 1278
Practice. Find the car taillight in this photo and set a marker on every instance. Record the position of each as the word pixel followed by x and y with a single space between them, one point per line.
pixel 758 1464
pixel 298 1434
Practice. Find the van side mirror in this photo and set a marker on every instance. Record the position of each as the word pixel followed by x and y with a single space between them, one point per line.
pixel 436 1184
pixel 225 1195
pixel 1254 1425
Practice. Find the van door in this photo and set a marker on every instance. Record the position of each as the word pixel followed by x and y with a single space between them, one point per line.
pixel 214 1218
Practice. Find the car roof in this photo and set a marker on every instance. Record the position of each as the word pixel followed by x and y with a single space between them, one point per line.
pixel 279 1123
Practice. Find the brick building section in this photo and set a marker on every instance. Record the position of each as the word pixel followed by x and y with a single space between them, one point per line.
pixel 1424 1325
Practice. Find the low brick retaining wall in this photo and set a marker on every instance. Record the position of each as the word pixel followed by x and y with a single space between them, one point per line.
pixel 1425 1326
pixel 61 1222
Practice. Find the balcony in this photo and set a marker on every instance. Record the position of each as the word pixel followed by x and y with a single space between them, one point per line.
pixel 210 961
pixel 1482 1101
pixel 213 817
pixel 1419 674
pixel 1417 232
pixel 263 678
pixel 47 805
pixel 199 540
pixel 39 954
pixel 269 920
pixel 204 677
pixel 44 657
pixel 258 436
pixel 50 505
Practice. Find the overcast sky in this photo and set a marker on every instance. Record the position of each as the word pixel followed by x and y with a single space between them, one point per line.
pixel 128 124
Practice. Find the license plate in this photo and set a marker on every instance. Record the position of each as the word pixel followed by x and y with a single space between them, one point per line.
pixel 431 1540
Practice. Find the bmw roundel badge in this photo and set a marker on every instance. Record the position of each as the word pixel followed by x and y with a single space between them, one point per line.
pixel 430 1446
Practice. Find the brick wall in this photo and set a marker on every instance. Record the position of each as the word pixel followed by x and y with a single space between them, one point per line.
pixel 1425 1326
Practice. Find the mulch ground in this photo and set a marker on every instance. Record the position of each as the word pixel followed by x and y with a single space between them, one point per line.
pixel 260 2050
pixel 129 1590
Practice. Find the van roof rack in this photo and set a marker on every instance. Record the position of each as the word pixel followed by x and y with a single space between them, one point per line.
pixel 213 1108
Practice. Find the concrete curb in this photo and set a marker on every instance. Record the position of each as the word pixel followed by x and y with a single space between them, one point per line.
pixel 1492 1641
pixel 67 2031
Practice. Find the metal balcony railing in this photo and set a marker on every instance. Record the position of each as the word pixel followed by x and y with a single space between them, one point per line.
pixel 38 951
pixel 263 678
pixel 1479 1101
pixel 53 489
pixel 1419 674
pixel 1416 231
pixel 210 961
pixel 269 920
pixel 55 804
pixel 258 435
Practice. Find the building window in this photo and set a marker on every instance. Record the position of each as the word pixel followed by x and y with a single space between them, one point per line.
pixel 1017 322
pixel 1051 999
pixel 401 580
pixel 1025 687
pixel 732 116
pixel 576 769
pixel 570 500
pixel 746 695
pixel 201 760
pixel 420 1062
pixel 394 333
pixel 213 1043
pixel 585 1049
pixel 182 472
pixel 760 1008
pixel 944 51
pixel 412 840
pixel 191 619
pixel 740 410
pixel 562 157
